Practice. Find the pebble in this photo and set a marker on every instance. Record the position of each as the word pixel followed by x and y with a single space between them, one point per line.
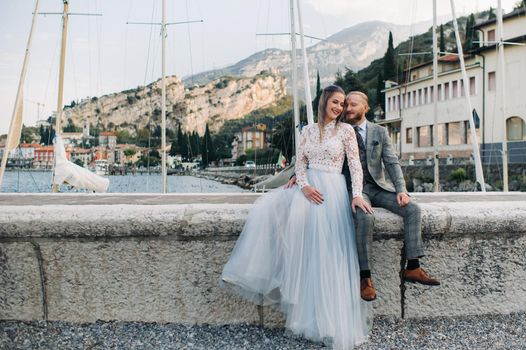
pixel 389 333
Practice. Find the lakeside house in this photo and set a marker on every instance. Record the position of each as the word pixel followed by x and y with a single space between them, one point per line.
pixel 409 106
pixel 250 137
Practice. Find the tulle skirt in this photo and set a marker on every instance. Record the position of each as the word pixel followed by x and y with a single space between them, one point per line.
pixel 301 257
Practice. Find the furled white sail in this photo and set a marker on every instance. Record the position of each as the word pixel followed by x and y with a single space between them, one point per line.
pixel 74 175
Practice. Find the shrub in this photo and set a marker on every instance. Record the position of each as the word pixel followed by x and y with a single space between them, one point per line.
pixel 458 175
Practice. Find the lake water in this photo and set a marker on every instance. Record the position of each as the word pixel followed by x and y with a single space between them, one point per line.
pixel 40 181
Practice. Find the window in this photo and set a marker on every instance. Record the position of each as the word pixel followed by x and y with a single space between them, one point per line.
pixel 431 96
pixel 403 104
pixel 388 106
pixel 454 87
pixel 491 36
pixel 468 131
pixel 409 135
pixel 462 93
pixel 420 96
pixel 446 91
pixel 442 134
pixel 516 129
pixel 455 133
pixel 413 100
pixel 425 95
pixel 440 92
pixel 492 81
pixel 424 136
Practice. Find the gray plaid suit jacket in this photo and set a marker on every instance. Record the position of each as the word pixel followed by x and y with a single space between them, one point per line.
pixel 382 161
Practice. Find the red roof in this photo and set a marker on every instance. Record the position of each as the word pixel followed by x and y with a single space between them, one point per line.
pixel 449 58
pixel 29 145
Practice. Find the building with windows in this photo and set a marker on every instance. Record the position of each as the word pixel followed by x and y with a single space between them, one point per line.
pixel 409 106
pixel 250 137
pixel 108 139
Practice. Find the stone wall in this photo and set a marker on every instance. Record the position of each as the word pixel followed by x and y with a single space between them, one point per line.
pixel 99 258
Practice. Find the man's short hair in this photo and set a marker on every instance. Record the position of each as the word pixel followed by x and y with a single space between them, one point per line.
pixel 361 94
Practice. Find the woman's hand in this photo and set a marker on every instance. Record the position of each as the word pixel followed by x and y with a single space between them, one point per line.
pixel 362 204
pixel 312 194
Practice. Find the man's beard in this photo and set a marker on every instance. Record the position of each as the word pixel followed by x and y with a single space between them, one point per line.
pixel 352 120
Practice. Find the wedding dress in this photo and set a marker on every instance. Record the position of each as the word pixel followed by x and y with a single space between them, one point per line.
pixel 301 256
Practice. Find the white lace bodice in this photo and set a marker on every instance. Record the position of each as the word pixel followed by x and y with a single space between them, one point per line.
pixel 329 153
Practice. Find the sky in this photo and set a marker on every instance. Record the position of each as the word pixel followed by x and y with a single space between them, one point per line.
pixel 105 54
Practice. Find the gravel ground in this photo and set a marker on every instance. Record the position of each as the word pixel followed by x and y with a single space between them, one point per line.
pixel 477 332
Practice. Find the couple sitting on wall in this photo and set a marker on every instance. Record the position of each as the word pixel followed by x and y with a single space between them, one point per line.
pixel 304 245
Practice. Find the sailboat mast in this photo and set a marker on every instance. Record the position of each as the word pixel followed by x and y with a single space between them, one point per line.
pixel 502 81
pixel 436 184
pixel 58 120
pixel 478 164
pixel 65 18
pixel 294 78
pixel 10 142
pixel 163 99
pixel 306 80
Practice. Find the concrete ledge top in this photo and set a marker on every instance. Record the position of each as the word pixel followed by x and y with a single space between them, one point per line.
pixel 37 199
pixel 222 216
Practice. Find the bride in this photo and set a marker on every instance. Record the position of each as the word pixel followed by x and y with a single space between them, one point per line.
pixel 297 249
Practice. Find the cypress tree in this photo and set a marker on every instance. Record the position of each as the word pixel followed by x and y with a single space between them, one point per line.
pixel 468 42
pixel 208 152
pixel 316 100
pixel 180 142
pixel 380 96
pixel 389 60
pixel 491 14
pixel 442 43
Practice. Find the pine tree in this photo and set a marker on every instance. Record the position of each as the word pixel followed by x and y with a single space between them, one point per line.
pixel 491 14
pixel 442 45
pixel 389 60
pixel 350 81
pixel 468 42
pixel 519 4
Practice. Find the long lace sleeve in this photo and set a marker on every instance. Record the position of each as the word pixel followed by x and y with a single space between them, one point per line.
pixel 353 158
pixel 302 161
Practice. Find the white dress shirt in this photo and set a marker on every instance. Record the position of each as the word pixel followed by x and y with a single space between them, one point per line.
pixel 362 129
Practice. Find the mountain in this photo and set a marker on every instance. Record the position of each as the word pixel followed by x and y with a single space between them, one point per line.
pixel 213 103
pixel 352 48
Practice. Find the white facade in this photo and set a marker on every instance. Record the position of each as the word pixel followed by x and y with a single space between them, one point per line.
pixel 409 107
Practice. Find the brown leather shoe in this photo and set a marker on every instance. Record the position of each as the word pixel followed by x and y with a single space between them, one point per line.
pixel 420 276
pixel 367 290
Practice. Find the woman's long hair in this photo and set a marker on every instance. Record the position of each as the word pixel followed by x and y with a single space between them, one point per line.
pixel 322 105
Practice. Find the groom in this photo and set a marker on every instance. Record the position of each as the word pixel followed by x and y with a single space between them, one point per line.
pixel 379 190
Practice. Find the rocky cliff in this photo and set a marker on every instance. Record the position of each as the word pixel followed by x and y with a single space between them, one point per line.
pixel 192 107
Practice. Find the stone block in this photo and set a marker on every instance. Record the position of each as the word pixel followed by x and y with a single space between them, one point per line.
pixel 20 288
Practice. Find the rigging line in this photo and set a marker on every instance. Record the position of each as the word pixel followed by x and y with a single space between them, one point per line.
pixel 268 22
pixel 189 43
pixel 149 44
pixel 496 100
pixel 89 51
pixel 52 67
pixel 99 41
pixel 124 66
pixel 203 32
pixel 257 25
pixel 71 51
pixel 411 47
